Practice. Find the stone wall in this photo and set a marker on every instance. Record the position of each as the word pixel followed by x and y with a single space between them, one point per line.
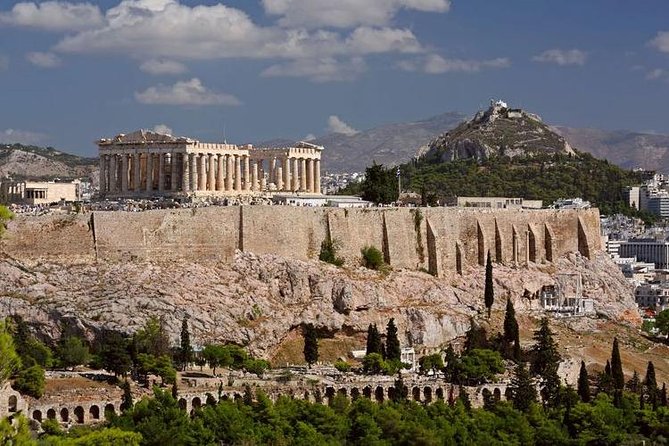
pixel 434 239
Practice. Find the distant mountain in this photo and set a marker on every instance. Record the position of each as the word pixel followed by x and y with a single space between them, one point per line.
pixel 388 144
pixel 32 162
pixel 623 148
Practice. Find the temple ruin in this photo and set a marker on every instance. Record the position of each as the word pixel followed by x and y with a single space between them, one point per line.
pixel 148 164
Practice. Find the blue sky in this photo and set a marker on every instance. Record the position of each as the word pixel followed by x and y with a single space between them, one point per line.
pixel 73 71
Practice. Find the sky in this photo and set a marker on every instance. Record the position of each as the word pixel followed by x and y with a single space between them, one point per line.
pixel 251 70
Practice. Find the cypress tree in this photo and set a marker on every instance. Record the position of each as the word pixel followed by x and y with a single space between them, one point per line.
pixel 663 395
pixel 617 367
pixel 126 402
pixel 186 349
pixel 605 383
pixel 451 368
pixel 546 357
pixel 373 340
pixel 650 385
pixel 511 331
pixel 634 384
pixel 463 397
pixel 522 388
pixel 310 344
pixel 393 351
pixel 584 384
pixel 401 390
pixel 475 337
pixel 488 292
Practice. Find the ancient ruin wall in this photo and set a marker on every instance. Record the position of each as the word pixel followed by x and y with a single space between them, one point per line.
pixel 435 239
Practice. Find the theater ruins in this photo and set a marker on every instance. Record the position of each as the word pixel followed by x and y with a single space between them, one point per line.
pixel 150 164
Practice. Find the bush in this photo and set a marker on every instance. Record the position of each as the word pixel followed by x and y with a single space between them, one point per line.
pixel 73 352
pixel 30 381
pixel 256 366
pixel 328 252
pixel 342 366
pixel 372 258
pixel 51 427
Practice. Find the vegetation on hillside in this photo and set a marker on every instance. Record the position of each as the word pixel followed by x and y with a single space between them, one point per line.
pixel 47 152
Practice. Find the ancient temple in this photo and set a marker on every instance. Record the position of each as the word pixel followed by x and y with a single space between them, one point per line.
pixel 150 164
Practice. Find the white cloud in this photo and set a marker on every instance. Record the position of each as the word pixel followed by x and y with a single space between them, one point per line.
pixel 168 29
pixel 336 125
pixel 309 137
pixel 53 16
pixel 12 136
pixel 345 13
pixel 162 66
pixel 162 128
pixel 655 74
pixel 562 57
pixel 661 41
pixel 191 92
pixel 435 64
pixel 43 60
pixel 319 70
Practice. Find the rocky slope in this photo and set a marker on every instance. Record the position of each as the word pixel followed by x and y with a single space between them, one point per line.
pixel 259 300
pixel 43 163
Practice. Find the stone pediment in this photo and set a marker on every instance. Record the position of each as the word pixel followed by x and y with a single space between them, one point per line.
pixel 144 136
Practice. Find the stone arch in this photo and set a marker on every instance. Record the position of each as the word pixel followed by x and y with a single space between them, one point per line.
pixel 427 393
pixel 355 393
pixel 497 394
pixel 499 244
pixel 392 393
pixel 480 237
pixel 440 393
pixel 237 396
pixel 225 397
pixel 211 401
pixel 183 404
pixel 379 394
pixel 12 403
pixel 94 412
pixel 367 392
pixel 51 414
pixel 458 258
pixel 342 391
pixel 37 415
pixel 196 403
pixel 549 242
pixel 110 409
pixel 330 394
pixel 306 395
pixel 79 414
pixel 508 394
pixel 532 246
pixel 64 415
pixel 415 393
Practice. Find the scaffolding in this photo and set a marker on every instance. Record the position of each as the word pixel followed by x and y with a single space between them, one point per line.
pixel 565 297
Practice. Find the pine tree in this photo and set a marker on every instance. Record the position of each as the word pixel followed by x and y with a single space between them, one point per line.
pixel 617 367
pixel 584 384
pixel 310 344
pixel 476 337
pixel 451 368
pixel 186 349
pixel 605 382
pixel 650 385
pixel 546 357
pixel 126 402
pixel 463 397
pixel 488 293
pixel 522 388
pixel 401 390
pixel 634 384
pixel 393 351
pixel 373 339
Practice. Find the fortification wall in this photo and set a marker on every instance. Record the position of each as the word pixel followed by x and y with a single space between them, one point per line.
pixel 436 239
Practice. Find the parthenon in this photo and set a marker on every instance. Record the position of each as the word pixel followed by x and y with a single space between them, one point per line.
pixel 146 164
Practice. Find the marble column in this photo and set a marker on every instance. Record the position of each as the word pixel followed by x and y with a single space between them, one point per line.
pixel 310 175
pixel 192 166
pixel 136 172
pixel 303 175
pixel 247 173
pixel 279 178
pixel 229 168
pixel 124 173
pixel 202 172
pixel 185 174
pixel 238 173
pixel 254 177
pixel 149 172
pixel 103 177
pixel 211 174
pixel 161 171
pixel 286 174
pixel 220 172
pixel 174 172
pixel 271 169
pixel 296 176
pixel 317 176
pixel 112 174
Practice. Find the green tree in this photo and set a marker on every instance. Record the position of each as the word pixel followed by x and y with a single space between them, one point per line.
pixel 634 384
pixel 605 381
pixel 488 292
pixel 10 362
pixel 451 368
pixel 217 356
pixel 479 365
pixel 393 350
pixel 104 437
pixel 373 364
pixel 511 330
pixel 72 352
pixel 522 389
pixel 379 185
pixel 15 432
pixel 186 349
pixel 126 402
pixel 373 340
pixel 431 363
pixel 650 385
pixel 545 355
pixel 152 338
pixel 372 258
pixel 617 367
pixel 463 398
pixel 583 384
pixel 475 337
pixel 114 353
pixel 310 344
pixel 31 381
pixel 30 350
pixel 5 216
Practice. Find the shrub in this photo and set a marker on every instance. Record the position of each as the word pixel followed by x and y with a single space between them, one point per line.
pixel 256 366
pixel 342 366
pixel 328 254
pixel 30 381
pixel 372 258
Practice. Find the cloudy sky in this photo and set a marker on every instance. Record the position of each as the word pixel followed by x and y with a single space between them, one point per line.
pixel 73 71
